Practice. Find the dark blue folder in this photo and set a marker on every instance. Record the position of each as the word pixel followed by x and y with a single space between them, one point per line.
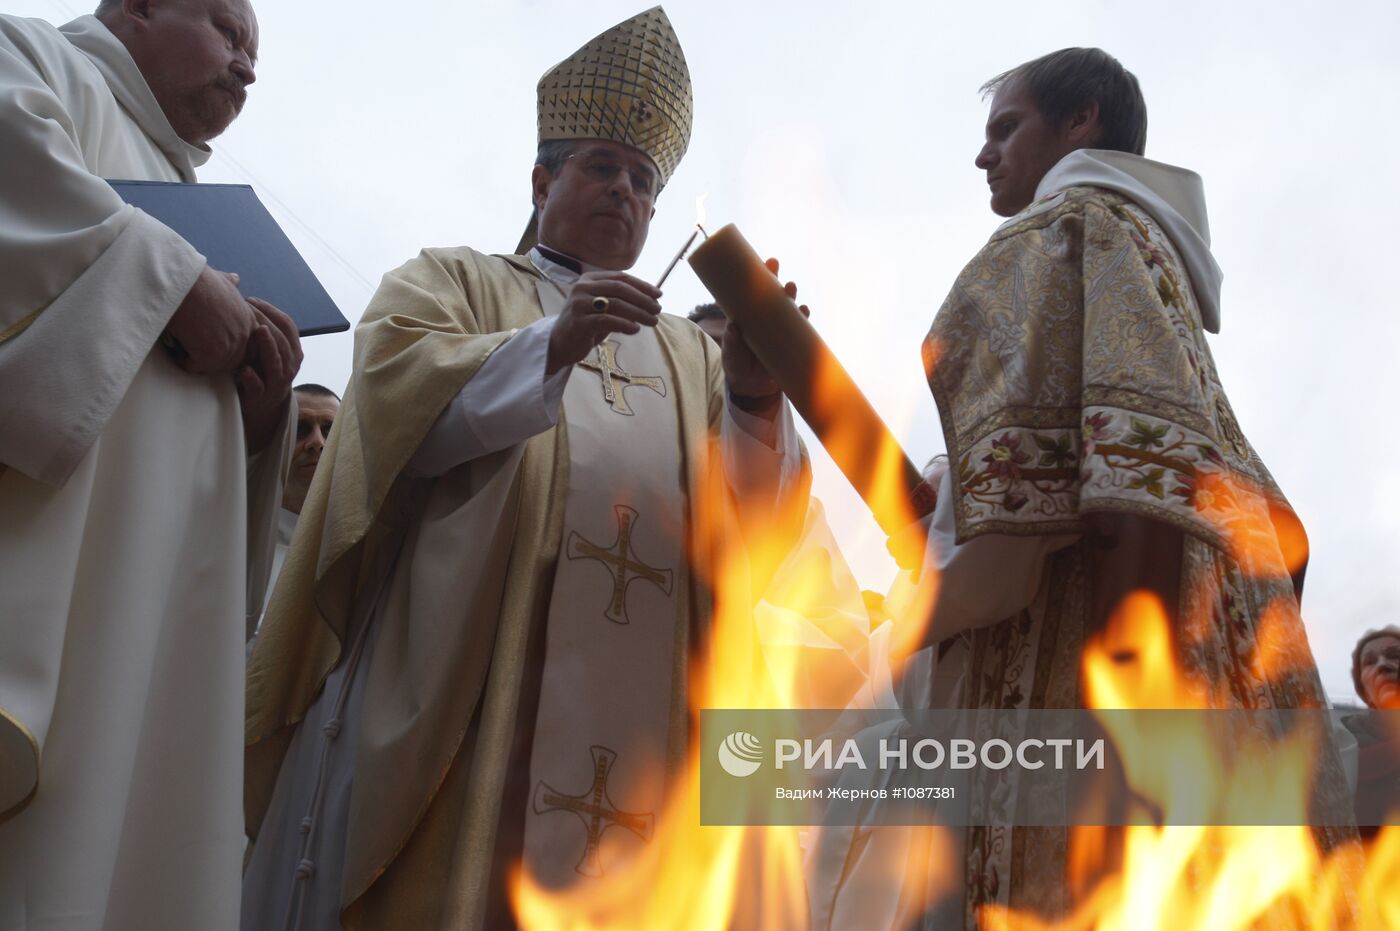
pixel 234 231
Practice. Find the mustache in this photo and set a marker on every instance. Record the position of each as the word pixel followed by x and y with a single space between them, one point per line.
pixel 234 86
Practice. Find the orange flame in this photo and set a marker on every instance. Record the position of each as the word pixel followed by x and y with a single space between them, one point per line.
pixel 1183 876
pixel 1264 536
pixel 1145 877
pixel 814 651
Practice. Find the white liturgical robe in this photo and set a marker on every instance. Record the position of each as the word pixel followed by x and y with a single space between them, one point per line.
pixel 135 532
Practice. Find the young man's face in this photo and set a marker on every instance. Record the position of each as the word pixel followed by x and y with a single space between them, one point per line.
pixel 598 206
pixel 1020 148
pixel 315 416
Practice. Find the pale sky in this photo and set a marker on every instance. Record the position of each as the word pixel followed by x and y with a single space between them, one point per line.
pixel 840 138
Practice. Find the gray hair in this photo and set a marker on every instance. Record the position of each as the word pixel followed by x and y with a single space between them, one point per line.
pixel 551 156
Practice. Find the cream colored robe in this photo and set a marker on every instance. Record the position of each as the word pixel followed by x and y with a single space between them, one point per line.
pixel 1077 392
pixel 1078 395
pixel 445 681
pixel 125 506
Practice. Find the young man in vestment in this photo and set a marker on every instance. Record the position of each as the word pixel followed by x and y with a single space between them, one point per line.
pixel 143 439
pixel 1093 451
pixel 476 655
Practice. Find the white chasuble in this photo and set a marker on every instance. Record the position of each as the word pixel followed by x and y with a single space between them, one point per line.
pixel 597 764
pixel 129 515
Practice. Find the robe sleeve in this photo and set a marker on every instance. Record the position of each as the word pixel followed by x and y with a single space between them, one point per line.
pixel 1073 378
pixel 431 326
pixel 762 458
pixel 267 473
pixel 89 282
pixel 985 579
pixel 508 401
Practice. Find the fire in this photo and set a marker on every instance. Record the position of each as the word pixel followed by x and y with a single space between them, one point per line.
pixel 707 878
pixel 1144 877
pixel 1209 877
pixel 1263 535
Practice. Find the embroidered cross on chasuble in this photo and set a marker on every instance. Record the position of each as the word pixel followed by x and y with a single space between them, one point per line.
pixel 595 809
pixel 622 562
pixel 617 380
pixel 614 658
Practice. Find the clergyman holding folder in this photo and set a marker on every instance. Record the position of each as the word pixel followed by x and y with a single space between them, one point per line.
pixel 144 434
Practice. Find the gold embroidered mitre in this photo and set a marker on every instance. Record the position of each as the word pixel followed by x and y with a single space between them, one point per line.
pixel 629 85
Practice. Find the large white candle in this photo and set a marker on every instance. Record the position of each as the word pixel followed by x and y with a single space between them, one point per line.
pixel 815 381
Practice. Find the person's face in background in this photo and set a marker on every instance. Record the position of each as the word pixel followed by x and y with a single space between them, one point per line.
pixel 316 415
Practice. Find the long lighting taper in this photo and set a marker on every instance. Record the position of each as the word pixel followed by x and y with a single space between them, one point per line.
pixel 793 352
pixel 699 228
pixel 679 255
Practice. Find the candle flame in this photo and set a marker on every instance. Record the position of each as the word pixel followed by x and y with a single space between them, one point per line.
pixel 700 213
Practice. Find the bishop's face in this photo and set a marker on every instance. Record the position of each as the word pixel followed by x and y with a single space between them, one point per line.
pixel 1021 147
pixel 197 56
pixel 599 205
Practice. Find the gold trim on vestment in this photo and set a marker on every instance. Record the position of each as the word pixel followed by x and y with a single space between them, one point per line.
pixel 34 748
pixel 22 325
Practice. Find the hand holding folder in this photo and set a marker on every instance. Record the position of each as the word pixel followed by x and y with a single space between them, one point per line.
pixel 265 378
pixel 215 328
pixel 233 230
pixel 210 329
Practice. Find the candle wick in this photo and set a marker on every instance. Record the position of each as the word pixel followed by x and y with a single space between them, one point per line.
pixel 702 231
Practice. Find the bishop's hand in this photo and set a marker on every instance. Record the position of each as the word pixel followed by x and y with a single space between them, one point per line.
pixel 598 304
pixel 751 388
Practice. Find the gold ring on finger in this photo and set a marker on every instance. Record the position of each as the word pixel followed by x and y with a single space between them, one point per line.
pixel 600 305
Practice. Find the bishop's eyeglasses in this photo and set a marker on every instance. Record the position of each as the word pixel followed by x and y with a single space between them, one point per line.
pixel 605 168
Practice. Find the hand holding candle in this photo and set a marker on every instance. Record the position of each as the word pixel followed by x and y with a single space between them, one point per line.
pixel 819 387
pixel 750 383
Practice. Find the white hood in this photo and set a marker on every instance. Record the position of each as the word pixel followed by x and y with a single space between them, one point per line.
pixel 90 35
pixel 1173 196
